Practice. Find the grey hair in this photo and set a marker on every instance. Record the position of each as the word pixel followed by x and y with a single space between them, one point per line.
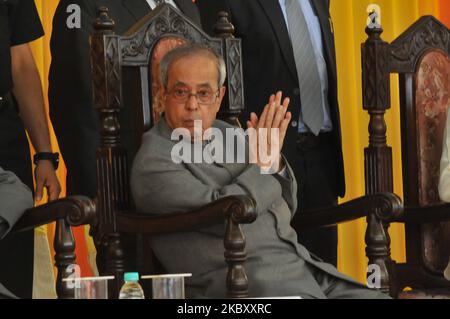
pixel 188 51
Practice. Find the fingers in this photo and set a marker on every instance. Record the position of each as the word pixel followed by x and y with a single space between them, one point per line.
pixel 276 111
pixel 39 189
pixel 277 105
pixel 46 177
pixel 254 120
pixel 280 113
pixel 285 123
pixel 270 115
pixel 53 190
pixel 263 147
pixel 262 118
pixel 273 116
pixel 278 97
pixel 286 102
pixel 253 143
pixel 283 128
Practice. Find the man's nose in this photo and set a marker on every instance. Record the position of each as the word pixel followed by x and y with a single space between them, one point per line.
pixel 192 103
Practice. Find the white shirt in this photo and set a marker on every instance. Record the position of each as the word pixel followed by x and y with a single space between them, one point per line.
pixel 152 4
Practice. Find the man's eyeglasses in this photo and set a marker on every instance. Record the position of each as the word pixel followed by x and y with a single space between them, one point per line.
pixel 204 96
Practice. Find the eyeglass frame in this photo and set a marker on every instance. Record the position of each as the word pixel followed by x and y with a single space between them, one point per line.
pixel 216 94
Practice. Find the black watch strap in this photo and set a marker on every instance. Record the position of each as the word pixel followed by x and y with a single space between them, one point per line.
pixel 52 157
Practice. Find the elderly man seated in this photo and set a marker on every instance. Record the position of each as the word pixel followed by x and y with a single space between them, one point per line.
pixel 165 179
pixel 15 198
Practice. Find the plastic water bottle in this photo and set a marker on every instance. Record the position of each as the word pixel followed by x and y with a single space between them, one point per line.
pixel 131 288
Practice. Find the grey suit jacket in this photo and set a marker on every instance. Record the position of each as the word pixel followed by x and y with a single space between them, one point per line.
pixel 15 198
pixel 276 264
pixel 5 293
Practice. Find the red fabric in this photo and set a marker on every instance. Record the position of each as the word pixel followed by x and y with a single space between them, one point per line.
pixel 82 251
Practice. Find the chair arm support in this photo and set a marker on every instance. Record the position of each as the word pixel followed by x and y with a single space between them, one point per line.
pixel 387 207
pixel 242 209
pixel 428 214
pixel 75 210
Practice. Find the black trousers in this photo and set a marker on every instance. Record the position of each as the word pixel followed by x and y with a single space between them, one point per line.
pixel 17 250
pixel 317 188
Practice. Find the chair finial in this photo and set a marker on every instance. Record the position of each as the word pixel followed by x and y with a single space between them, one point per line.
pixel 103 22
pixel 223 27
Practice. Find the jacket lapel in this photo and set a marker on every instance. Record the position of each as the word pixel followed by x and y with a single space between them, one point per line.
pixel 137 8
pixel 322 11
pixel 276 18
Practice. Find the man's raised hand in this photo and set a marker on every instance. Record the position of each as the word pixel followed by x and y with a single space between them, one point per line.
pixel 274 119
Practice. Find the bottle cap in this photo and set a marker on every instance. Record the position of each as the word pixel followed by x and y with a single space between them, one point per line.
pixel 131 276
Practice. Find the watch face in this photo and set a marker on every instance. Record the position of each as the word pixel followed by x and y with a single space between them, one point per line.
pixel 55 160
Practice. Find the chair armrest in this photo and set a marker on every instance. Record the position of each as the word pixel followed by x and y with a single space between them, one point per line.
pixel 387 207
pixel 428 214
pixel 75 210
pixel 242 209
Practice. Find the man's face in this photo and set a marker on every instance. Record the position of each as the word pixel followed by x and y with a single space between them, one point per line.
pixel 186 77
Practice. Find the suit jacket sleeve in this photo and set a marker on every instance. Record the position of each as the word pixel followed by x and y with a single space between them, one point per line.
pixel 289 186
pixel 15 198
pixel 161 186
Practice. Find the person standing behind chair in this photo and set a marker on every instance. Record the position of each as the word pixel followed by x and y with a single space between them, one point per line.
pixel 22 107
pixel 293 40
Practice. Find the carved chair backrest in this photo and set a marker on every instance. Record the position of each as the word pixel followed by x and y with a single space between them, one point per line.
pixel 421 160
pixel 124 93
pixel 421 57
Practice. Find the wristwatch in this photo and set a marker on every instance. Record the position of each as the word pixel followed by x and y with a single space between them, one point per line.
pixel 52 157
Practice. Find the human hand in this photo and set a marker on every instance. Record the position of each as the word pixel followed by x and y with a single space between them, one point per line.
pixel 45 176
pixel 269 131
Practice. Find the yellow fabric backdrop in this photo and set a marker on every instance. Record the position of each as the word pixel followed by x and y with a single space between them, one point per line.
pixel 349 18
pixel 43 262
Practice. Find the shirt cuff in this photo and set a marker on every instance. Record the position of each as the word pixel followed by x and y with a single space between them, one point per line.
pixel 283 172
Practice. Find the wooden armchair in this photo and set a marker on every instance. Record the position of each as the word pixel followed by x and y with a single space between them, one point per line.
pixel 123 94
pixel 66 212
pixel 421 58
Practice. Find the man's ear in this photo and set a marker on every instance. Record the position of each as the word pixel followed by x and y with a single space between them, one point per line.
pixel 222 91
